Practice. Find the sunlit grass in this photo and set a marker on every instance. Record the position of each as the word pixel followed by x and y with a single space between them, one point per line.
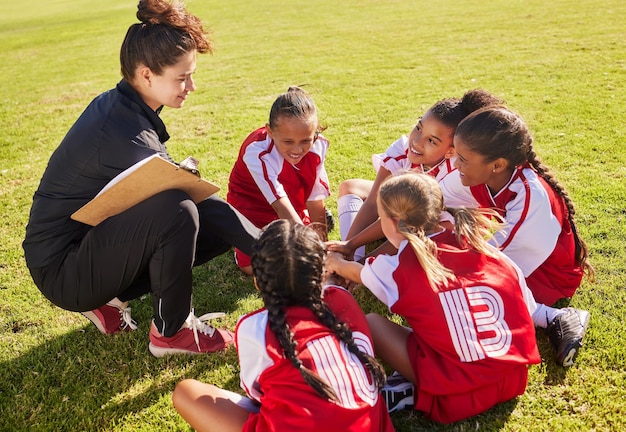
pixel 373 67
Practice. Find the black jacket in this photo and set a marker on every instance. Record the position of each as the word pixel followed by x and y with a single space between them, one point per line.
pixel 115 131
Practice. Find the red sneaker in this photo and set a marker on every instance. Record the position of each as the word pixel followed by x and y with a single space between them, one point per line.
pixel 113 317
pixel 194 337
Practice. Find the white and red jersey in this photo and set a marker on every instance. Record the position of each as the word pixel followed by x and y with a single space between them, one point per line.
pixel 470 333
pixel 396 159
pixel 261 176
pixel 288 403
pixel 538 236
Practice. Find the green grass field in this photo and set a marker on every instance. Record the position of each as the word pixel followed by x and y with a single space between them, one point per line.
pixel 373 67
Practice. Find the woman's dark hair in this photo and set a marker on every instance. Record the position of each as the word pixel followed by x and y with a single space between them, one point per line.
pixel 165 32
pixel 497 132
pixel 451 111
pixel 287 264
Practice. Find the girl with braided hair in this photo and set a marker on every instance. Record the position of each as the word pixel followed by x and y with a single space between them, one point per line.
pixel 427 149
pixel 306 358
pixel 471 337
pixel 499 169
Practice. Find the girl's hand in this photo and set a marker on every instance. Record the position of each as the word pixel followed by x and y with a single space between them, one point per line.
pixel 333 261
pixel 341 247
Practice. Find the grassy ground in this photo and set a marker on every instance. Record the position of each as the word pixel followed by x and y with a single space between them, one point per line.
pixel 373 67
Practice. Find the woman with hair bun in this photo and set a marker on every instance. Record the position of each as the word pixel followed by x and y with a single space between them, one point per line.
pixel 152 246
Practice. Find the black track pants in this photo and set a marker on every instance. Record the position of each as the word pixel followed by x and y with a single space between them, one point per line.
pixel 150 247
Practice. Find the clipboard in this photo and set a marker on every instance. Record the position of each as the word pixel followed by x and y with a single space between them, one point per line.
pixel 139 182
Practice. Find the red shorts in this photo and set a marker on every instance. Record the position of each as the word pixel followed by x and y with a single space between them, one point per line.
pixel 241 259
pixel 454 407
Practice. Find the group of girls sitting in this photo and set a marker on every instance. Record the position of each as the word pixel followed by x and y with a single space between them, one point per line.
pixel 481 242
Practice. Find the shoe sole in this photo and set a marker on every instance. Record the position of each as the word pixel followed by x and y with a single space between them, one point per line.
pixel 571 356
pixel 398 398
pixel 163 351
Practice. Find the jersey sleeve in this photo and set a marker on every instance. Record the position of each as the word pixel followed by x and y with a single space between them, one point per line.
pixel 394 159
pixel 251 349
pixel 454 193
pixel 377 276
pixel 321 187
pixel 265 164
pixel 531 231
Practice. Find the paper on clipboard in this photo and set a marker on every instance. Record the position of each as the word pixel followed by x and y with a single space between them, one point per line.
pixel 139 182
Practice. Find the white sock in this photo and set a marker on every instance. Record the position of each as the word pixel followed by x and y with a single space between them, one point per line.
pixel 347 208
pixel 544 315
pixel 242 401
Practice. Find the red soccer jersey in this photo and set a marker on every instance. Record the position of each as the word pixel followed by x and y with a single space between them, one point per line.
pixel 288 403
pixel 538 236
pixel 261 176
pixel 472 336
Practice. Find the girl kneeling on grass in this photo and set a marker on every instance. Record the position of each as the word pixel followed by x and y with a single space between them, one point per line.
pixel 471 336
pixel 306 358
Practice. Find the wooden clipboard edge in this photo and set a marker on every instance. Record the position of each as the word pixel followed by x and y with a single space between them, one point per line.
pixel 108 204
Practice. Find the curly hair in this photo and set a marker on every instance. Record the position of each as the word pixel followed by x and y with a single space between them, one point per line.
pixel 451 111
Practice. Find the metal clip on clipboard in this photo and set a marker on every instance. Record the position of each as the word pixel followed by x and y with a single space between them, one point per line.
pixel 190 164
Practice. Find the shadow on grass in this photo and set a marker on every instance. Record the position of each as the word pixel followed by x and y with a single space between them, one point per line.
pixel 84 380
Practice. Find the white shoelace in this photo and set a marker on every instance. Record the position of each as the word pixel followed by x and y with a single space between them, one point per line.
pixel 198 324
pixel 127 319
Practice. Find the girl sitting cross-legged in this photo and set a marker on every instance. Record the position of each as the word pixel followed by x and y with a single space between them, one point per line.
pixel 470 337
pixel 306 358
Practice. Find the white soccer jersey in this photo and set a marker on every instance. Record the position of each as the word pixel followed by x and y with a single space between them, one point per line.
pixel 531 230
pixel 395 160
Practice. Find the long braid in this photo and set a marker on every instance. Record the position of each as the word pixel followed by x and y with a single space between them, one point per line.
pixel 582 253
pixel 287 265
pixel 280 328
pixel 497 132
pixel 344 334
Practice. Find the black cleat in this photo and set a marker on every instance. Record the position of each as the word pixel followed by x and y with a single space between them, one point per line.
pixel 398 393
pixel 566 334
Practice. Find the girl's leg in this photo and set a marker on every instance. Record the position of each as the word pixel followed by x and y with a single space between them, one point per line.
pixel 542 315
pixel 390 341
pixel 359 187
pixel 352 193
pixel 222 227
pixel 208 408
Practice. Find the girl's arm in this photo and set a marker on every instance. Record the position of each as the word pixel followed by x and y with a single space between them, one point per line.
pixel 317 213
pixel 368 212
pixel 371 233
pixel 284 209
pixel 350 270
